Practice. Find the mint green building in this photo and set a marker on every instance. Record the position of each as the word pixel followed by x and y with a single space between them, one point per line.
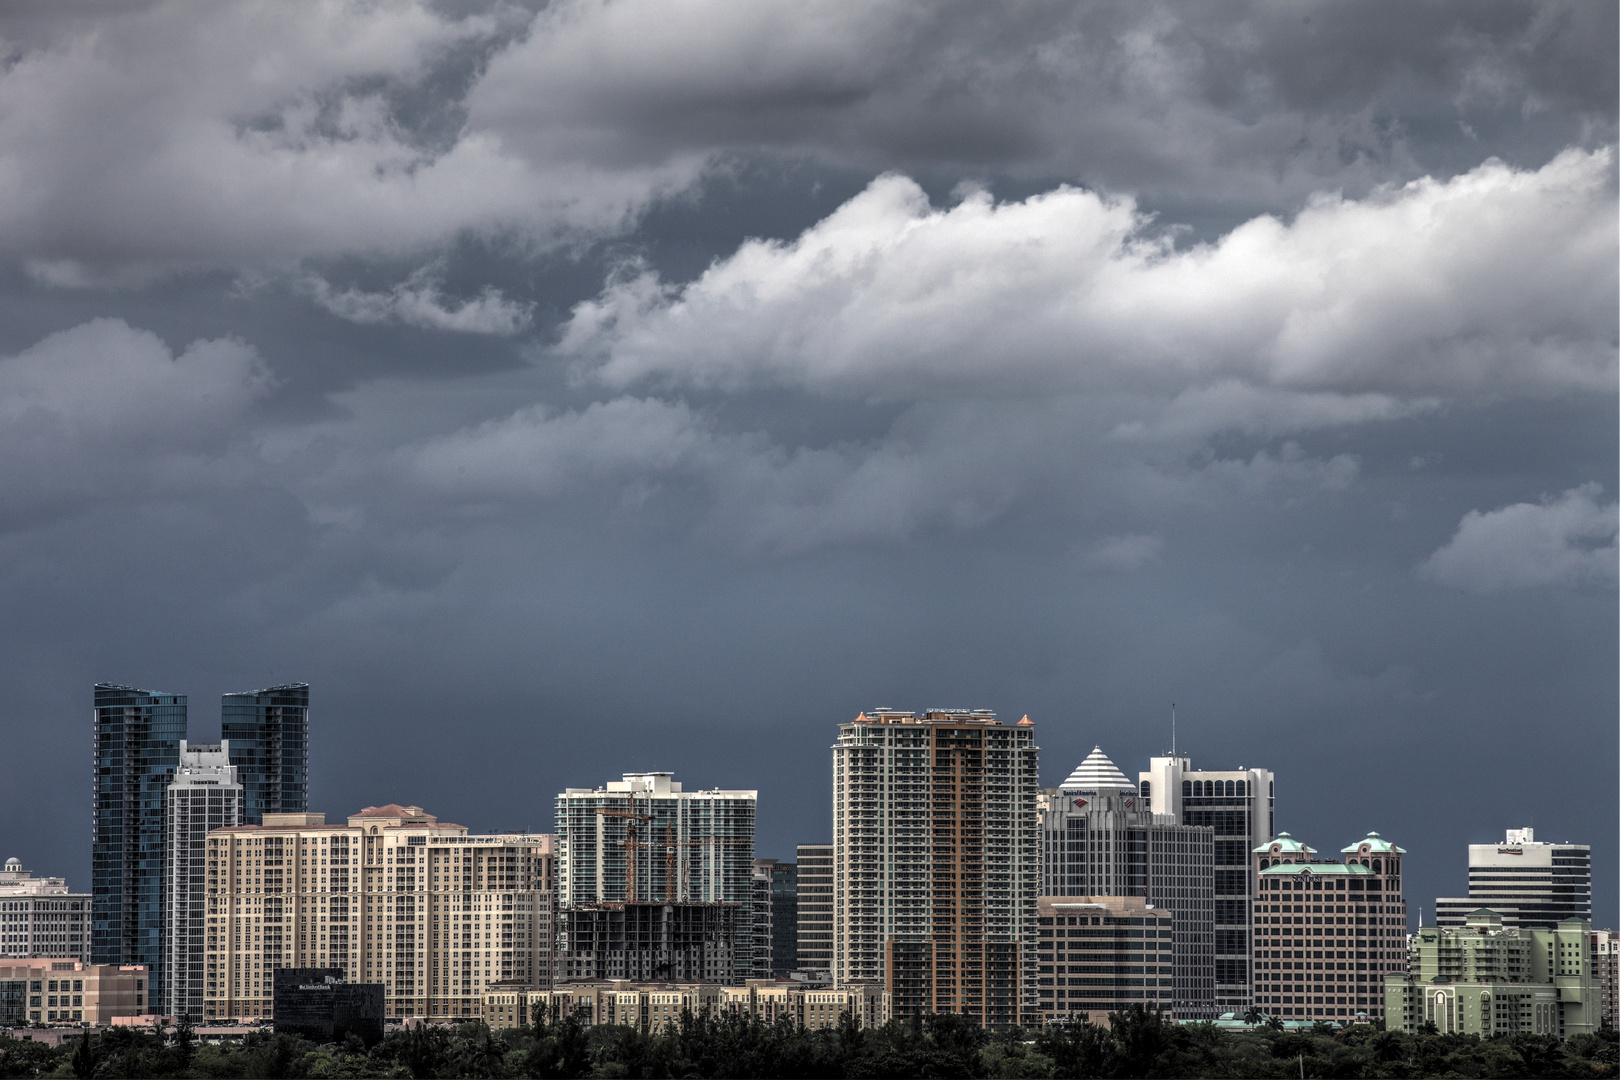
pixel 1482 979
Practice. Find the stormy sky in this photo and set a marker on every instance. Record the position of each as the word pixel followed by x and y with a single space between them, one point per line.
pixel 570 389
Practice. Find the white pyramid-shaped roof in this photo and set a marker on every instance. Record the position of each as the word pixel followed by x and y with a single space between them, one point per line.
pixel 1097 772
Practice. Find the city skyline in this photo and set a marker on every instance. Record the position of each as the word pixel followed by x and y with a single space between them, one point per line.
pixel 570 389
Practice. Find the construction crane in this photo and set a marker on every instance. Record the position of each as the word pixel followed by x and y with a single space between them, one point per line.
pixel 630 843
pixel 670 845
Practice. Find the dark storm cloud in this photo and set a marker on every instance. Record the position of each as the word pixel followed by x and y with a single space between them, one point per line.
pixel 609 386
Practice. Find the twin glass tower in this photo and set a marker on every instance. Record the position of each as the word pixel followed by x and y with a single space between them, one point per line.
pixel 138 738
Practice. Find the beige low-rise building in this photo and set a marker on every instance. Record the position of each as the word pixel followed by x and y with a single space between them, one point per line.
pixel 394 896
pixel 46 991
pixel 650 1007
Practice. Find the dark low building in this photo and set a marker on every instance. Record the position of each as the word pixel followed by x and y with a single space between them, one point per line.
pixel 647 942
pixel 317 1004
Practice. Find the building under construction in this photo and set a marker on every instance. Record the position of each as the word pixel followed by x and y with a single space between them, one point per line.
pixel 642 942
pixel 643 841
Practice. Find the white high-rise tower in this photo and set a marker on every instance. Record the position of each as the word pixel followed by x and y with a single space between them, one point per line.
pixel 204 795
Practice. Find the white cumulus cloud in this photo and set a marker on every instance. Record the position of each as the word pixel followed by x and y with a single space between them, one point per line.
pixel 1499 281
pixel 1567 540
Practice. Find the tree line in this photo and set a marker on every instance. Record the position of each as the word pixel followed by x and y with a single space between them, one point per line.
pixel 1135 1044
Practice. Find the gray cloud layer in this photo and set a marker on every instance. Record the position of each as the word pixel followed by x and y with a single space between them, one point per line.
pixel 600 386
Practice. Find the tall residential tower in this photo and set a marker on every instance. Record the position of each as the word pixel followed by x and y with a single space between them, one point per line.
pixel 268 732
pixel 137 748
pixel 936 862
pixel 203 796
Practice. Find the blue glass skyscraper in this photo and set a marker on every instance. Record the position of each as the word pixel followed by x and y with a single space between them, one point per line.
pixel 137 749
pixel 268 731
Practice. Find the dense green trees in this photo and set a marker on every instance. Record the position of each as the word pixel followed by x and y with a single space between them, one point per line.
pixel 1137 1044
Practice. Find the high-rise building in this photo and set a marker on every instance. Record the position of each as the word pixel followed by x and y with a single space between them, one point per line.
pixel 137 748
pixel 1488 979
pixel 815 929
pixel 1528 882
pixel 784 920
pixel 1240 805
pixel 39 917
pixel 936 862
pixel 1326 933
pixel 1102 954
pixel 203 796
pixel 268 733
pixel 394 896
pixel 1099 838
pixel 644 839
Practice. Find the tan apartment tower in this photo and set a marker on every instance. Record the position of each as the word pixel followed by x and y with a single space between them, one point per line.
pixel 395 896
pixel 936 862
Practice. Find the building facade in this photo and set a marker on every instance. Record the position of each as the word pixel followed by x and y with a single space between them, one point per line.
pixel 137 748
pixel 936 862
pixel 1605 953
pixel 40 918
pixel 1327 934
pixel 1485 978
pixel 203 796
pixel 46 991
pixel 651 1006
pixel 1099 838
pixel 644 839
pixel 1525 881
pixel 268 734
pixel 1241 806
pixel 815 912
pixel 1103 954
pixel 394 896
pixel 648 942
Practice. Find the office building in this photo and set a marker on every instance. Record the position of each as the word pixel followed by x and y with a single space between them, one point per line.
pixel 137 747
pixel 47 991
pixel 645 942
pixel 1240 805
pixel 394 896
pixel 1605 953
pixel 1525 881
pixel 1487 979
pixel 1099 838
pixel 268 733
pixel 936 862
pixel 644 839
pixel 1327 933
pixel 1103 954
pixel 815 901
pixel 203 796
pixel 39 917
pixel 320 1005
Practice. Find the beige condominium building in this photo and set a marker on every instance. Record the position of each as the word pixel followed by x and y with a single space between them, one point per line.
pixel 39 917
pixel 395 896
